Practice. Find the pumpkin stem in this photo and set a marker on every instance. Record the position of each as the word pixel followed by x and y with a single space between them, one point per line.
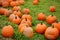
pixel 52 15
pixel 26 19
pixel 15 17
pixel 56 21
pixel 52 25
pixel 7 23
pixel 41 23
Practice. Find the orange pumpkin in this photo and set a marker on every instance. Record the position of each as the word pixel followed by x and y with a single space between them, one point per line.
pixel 27 16
pixel 18 13
pixel 57 25
pixel 52 8
pixel 21 2
pixel 27 31
pixel 11 17
pixel 7 12
pixel 8 31
pixel 14 3
pixel 26 11
pixel 51 19
pixel 40 28
pixel 0 2
pixel 16 20
pixel 2 10
pixel 51 33
pixel 35 2
pixel 41 16
pixel 16 8
pixel 5 4
pixel 27 21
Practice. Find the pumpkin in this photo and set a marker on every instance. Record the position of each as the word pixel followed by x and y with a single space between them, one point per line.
pixel 16 20
pixel 11 17
pixel 52 8
pixel 26 11
pixel 41 16
pixel 27 16
pixel 40 28
pixel 2 10
pixel 35 2
pixel 5 4
pixel 14 3
pixel 21 26
pixel 21 2
pixel 57 25
pixel 27 21
pixel 51 33
pixel 51 19
pixel 18 13
pixel 16 8
pixel 7 12
pixel 27 31
pixel 8 31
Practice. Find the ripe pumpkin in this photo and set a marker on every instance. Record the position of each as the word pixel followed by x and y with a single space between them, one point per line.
pixel 27 16
pixel 11 17
pixel 52 8
pixel 27 21
pixel 7 12
pixel 18 13
pixel 57 25
pixel 0 2
pixel 51 33
pixel 21 2
pixel 8 31
pixel 16 8
pixel 26 11
pixel 16 20
pixel 5 4
pixel 14 3
pixel 41 16
pixel 27 31
pixel 2 10
pixel 40 28
pixel 51 19
pixel 35 2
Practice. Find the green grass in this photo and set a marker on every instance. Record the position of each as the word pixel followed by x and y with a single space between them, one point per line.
pixel 43 6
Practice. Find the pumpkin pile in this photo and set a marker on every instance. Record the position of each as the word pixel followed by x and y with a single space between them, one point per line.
pixel 24 20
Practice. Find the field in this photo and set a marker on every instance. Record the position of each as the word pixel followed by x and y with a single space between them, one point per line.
pixel 43 6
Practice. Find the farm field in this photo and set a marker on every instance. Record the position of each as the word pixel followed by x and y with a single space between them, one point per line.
pixel 43 6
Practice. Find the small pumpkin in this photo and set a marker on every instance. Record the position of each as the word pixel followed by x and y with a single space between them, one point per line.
pixel 41 16
pixel 27 31
pixel 51 33
pixel 16 8
pixel 51 19
pixel 26 11
pixel 21 2
pixel 7 12
pixel 35 2
pixel 14 3
pixel 52 8
pixel 5 4
pixel 0 2
pixel 57 25
pixel 16 20
pixel 8 31
pixel 18 13
pixel 40 28
pixel 27 21
pixel 2 10
pixel 27 16
pixel 11 17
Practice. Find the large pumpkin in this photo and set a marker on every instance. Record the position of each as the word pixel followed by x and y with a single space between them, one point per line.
pixel 8 31
pixel 51 33
pixel 51 19
pixel 40 28
pixel 57 25
pixel 27 16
